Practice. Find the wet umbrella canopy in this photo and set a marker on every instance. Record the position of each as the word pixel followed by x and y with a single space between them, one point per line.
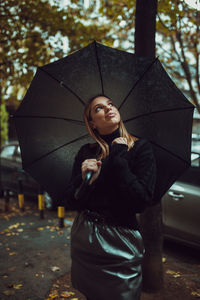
pixel 50 125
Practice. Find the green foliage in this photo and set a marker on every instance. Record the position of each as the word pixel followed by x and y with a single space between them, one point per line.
pixel 3 124
pixel 31 36
pixel 32 33
pixel 177 43
pixel 178 27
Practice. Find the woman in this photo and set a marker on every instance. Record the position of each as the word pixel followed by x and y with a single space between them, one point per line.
pixel 106 245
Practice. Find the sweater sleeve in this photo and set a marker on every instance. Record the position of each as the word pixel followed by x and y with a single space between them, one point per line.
pixel 135 180
pixel 71 202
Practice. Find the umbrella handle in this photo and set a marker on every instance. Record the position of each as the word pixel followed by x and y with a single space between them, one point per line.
pixel 81 190
pixel 88 177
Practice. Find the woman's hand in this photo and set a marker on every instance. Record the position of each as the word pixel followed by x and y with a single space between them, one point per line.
pixel 120 140
pixel 91 165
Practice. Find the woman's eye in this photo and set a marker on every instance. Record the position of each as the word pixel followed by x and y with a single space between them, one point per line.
pixel 98 108
pixel 111 104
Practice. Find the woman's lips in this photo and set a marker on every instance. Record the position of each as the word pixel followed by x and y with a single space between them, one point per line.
pixel 110 115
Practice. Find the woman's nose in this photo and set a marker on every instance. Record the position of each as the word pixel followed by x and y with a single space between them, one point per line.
pixel 108 108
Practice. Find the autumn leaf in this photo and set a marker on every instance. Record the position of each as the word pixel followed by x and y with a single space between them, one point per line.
pixel 67 294
pixel 12 253
pixel 55 268
pixel 40 228
pixel 9 292
pixel 173 273
pixel 196 294
pixel 17 286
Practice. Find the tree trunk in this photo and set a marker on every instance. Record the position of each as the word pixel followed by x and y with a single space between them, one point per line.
pixel 145 27
pixel 151 219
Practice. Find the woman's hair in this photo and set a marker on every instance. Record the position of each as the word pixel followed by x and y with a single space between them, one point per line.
pixel 95 135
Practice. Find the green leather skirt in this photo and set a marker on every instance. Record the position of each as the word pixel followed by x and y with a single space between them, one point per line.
pixel 106 260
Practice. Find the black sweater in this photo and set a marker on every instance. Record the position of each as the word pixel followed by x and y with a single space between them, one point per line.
pixel 125 185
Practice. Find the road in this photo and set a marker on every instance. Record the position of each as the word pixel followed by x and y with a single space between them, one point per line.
pixel 34 253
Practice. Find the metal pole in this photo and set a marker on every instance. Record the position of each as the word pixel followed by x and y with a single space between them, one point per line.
pixel 61 216
pixel 21 195
pixel 41 202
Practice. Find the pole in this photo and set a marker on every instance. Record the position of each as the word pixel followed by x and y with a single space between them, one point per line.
pixel 61 216
pixel 20 195
pixel 41 202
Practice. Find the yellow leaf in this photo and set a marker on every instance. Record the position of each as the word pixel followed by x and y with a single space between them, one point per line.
pixel 12 253
pixel 67 294
pixel 20 230
pixel 175 274
pixel 9 292
pixel 40 228
pixel 196 294
pixel 17 286
pixel 164 259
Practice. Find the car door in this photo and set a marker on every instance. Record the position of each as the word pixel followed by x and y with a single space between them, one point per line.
pixel 181 206
pixel 9 168
pixel 30 186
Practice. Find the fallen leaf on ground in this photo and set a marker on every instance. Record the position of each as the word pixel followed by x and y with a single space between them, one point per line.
pixel 17 286
pixel 53 295
pixel 196 294
pixel 9 292
pixel 173 273
pixel 66 294
pixel 55 268
pixel 40 228
pixel 12 269
pixel 12 253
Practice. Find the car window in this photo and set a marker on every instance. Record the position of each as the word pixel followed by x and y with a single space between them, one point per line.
pixel 195 160
pixel 8 151
pixel 18 152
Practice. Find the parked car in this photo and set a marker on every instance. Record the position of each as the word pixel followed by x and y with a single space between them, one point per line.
pixel 11 173
pixel 181 206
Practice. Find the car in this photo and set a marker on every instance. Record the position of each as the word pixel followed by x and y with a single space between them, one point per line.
pixel 181 207
pixel 11 173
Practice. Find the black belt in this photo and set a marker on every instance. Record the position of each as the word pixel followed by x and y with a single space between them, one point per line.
pixel 99 218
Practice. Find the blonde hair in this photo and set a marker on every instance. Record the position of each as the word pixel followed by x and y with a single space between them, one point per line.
pixel 95 135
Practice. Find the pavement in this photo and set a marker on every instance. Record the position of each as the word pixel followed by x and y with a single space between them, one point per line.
pixel 35 259
pixel 34 252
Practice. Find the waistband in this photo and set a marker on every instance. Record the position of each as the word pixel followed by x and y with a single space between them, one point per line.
pixel 99 218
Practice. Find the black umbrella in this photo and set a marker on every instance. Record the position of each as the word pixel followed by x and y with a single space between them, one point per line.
pixel 50 125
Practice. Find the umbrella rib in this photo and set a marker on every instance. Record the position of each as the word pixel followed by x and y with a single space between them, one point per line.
pixel 52 117
pixel 62 84
pixel 155 112
pixel 173 154
pixel 148 68
pixel 58 148
pixel 98 64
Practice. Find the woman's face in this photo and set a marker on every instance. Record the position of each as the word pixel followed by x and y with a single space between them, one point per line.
pixel 105 116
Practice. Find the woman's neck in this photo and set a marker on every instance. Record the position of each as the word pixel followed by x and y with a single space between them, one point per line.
pixel 108 138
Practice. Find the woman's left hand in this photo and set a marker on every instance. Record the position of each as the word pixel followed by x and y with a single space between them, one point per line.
pixel 120 140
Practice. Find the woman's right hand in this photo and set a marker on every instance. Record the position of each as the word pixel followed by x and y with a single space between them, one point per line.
pixel 91 165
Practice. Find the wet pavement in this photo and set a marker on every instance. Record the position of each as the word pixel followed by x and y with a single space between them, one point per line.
pixel 35 259
pixel 33 251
